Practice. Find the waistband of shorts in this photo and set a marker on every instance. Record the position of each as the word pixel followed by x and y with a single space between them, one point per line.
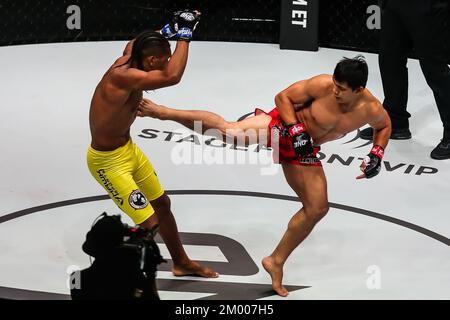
pixel 117 151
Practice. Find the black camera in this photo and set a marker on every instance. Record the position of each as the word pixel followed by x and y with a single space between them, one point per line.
pixel 125 265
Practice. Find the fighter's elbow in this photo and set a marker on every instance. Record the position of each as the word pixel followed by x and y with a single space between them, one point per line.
pixel 128 48
pixel 386 124
pixel 283 101
pixel 279 98
pixel 276 99
pixel 173 79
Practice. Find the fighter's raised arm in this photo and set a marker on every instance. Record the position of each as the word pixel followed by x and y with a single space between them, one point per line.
pixel 136 78
pixel 152 65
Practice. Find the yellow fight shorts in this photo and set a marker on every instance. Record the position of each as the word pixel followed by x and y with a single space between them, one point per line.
pixel 129 177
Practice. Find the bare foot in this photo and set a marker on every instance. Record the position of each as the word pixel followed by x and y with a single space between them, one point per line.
pixel 276 273
pixel 193 268
pixel 148 108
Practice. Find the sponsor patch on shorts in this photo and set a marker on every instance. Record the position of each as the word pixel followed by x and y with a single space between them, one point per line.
pixel 137 200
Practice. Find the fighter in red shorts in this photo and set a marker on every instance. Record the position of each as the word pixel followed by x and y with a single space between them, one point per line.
pixel 308 113
pixel 285 152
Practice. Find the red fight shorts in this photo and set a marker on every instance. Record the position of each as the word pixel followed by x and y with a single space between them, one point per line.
pixel 281 143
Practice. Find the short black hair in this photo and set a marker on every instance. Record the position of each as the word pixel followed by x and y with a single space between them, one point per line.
pixel 146 44
pixel 353 71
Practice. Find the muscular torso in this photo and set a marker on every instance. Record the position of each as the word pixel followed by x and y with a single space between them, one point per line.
pixel 327 121
pixel 112 111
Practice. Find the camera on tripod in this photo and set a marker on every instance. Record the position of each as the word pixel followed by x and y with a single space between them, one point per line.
pixel 125 265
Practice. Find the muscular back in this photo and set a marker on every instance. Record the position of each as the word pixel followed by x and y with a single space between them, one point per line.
pixel 113 110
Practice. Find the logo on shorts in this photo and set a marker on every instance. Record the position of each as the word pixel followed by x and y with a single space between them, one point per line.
pixel 137 200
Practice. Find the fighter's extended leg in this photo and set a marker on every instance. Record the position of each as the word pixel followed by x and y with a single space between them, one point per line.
pixel 248 131
pixel 310 185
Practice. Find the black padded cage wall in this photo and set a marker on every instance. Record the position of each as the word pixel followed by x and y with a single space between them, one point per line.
pixel 40 21
pixel 349 24
pixel 343 24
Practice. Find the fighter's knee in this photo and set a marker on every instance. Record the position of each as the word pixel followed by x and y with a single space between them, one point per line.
pixel 162 203
pixel 324 209
pixel 318 211
pixel 228 132
pixel 227 128
pixel 150 222
pixel 234 133
pixel 166 203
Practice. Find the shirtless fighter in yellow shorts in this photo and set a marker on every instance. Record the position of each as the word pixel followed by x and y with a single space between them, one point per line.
pixel 113 159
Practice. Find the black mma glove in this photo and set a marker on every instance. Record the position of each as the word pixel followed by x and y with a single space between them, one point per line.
pixel 301 140
pixel 182 25
pixel 373 161
pixel 186 23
